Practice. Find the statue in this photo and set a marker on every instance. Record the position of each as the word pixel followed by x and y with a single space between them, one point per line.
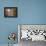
pixel 12 37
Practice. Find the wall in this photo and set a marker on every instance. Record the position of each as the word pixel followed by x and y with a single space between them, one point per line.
pixel 29 12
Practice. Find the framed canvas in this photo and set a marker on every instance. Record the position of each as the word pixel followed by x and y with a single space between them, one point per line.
pixel 10 11
pixel 31 32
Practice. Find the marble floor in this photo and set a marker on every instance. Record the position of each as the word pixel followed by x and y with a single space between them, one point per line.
pixel 30 43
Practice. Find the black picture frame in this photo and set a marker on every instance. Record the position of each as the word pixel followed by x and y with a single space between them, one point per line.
pixel 12 13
